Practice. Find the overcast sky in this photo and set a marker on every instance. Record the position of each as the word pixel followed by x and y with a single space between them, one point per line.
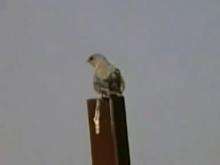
pixel 169 54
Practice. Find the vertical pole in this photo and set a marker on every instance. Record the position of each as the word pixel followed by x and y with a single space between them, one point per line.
pixel 110 146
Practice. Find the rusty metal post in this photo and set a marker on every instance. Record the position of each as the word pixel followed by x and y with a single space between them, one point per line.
pixel 110 146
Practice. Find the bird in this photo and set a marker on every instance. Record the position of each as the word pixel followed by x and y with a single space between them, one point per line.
pixel 107 78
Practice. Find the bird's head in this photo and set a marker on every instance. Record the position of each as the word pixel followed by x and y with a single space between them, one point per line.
pixel 96 59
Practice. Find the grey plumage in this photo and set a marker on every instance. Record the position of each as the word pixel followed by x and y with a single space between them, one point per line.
pixel 107 78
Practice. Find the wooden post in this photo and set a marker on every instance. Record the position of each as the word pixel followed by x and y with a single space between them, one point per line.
pixel 110 146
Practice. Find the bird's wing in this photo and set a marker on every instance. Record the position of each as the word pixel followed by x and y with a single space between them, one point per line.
pixel 121 79
pixel 116 82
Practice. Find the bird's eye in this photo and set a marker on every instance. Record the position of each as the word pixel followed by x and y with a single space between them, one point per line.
pixel 91 58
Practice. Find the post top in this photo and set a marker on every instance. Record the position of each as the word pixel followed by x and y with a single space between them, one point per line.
pixel 106 98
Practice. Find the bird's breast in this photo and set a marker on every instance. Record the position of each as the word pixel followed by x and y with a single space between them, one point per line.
pixel 103 72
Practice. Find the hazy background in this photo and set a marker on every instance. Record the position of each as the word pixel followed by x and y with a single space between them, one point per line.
pixel 168 51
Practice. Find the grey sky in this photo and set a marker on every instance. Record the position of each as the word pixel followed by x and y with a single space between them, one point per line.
pixel 168 51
